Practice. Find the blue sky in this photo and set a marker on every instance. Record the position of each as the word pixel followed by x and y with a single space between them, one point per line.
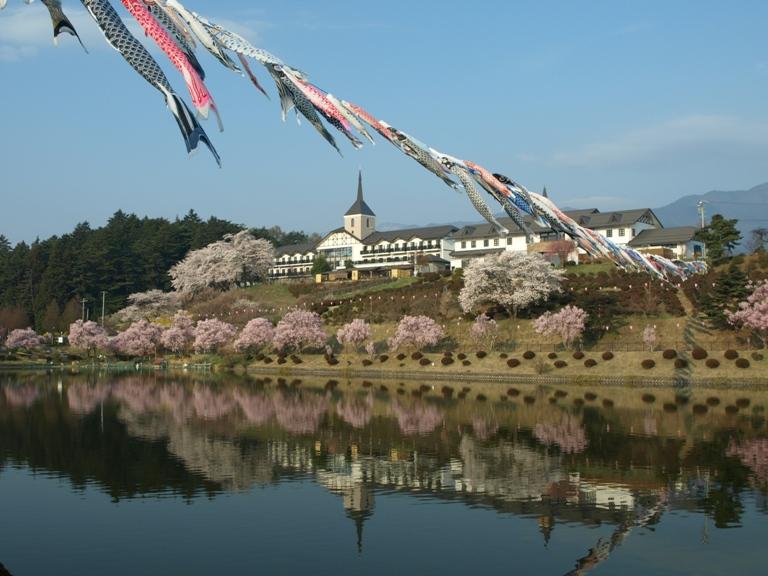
pixel 608 103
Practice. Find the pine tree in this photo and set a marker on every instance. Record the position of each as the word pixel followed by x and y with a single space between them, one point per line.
pixel 730 288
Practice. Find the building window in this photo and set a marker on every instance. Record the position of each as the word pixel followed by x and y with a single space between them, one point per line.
pixel 622 231
pixel 463 244
pixel 495 241
pixel 353 222
pixel 509 240
pixel 609 233
pixel 634 233
pixel 368 222
pixel 486 243
pixel 472 244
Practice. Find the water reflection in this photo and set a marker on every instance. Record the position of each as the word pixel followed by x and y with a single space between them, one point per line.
pixel 623 461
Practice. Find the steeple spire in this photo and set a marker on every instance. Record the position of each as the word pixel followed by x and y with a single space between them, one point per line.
pixel 360 186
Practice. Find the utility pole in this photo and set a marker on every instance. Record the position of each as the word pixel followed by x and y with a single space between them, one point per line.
pixel 103 302
pixel 83 301
pixel 700 206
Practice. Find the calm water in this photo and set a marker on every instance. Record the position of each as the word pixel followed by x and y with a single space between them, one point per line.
pixel 177 475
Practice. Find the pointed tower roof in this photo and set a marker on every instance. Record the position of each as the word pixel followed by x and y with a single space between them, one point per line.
pixel 360 207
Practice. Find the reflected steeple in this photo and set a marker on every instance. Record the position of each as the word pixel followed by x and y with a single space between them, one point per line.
pixel 358 503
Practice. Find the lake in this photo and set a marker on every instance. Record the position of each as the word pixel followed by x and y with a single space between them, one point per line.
pixel 112 474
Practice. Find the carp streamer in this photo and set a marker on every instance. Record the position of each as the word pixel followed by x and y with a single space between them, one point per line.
pixel 178 31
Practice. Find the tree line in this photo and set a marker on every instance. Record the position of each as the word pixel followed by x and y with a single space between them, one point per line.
pixel 43 284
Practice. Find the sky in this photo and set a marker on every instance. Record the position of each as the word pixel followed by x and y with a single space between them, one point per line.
pixel 608 104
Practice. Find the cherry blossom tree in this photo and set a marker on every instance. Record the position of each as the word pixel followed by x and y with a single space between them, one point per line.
pixel 353 334
pixel 484 331
pixel 566 433
pixel 416 332
pixel 149 305
pixel 25 338
pixel 180 335
pixel 221 265
pixel 568 324
pixel 512 280
pixel 87 336
pixel 649 337
pixel 257 333
pixel 752 313
pixel 298 330
pixel 211 335
pixel 139 339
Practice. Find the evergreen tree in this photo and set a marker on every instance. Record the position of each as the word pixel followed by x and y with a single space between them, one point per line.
pixel 730 288
pixel 720 238
pixel 320 265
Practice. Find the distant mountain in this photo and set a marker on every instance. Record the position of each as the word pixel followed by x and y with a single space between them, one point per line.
pixel 749 207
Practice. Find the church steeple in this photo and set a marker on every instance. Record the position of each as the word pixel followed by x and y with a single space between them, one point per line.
pixel 360 221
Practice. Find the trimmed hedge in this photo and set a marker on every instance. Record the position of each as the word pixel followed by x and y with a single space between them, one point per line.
pixel 417 356
pixel 590 363
pixel 462 356
pixel 529 354
pixel 513 362
pixel 552 356
pixel 481 354
pixel 401 357
pixel 367 362
pixel 669 354
pixel 731 355
pixel 742 363
pixel 578 355
pixel 712 363
pixel 681 363
pixel 757 357
pixel 699 354
pixel 383 358
pixel 503 355
pixel 466 363
pixel 446 361
pixel 648 364
pixel 561 364
pixel 425 362
pixel 608 355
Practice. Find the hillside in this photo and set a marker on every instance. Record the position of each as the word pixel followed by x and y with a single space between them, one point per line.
pixel 749 207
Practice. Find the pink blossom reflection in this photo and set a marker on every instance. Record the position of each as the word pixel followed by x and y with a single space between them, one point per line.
pixel 567 434
pixel 356 411
pixel 299 414
pixel 419 418
pixel 21 396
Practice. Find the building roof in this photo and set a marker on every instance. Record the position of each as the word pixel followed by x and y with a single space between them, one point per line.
pixel 302 248
pixel 459 254
pixel 616 218
pixel 428 233
pixel 663 236
pixel 360 207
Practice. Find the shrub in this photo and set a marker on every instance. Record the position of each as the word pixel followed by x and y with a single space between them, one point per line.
pixel 513 362
pixel 425 362
pixel 552 356
pixel 648 364
pixel 712 363
pixel 649 398
pixel 481 354
pixel 699 354
pixel 669 354
pixel 446 361
pixel 297 360
pixel 514 392
pixel 561 364
pixel 282 360
pixel 417 356
pixel 503 355
pixel 461 356
pixel 529 355
pixel 590 363
pixel 466 363
pixel 578 355
pixel 367 362
pixel 383 358
pixel 757 357
pixel 681 363
pixel 742 363
pixel 332 361
pixel 448 354
pixel 268 360
pixel 731 354
pixel 401 357
pixel 607 355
